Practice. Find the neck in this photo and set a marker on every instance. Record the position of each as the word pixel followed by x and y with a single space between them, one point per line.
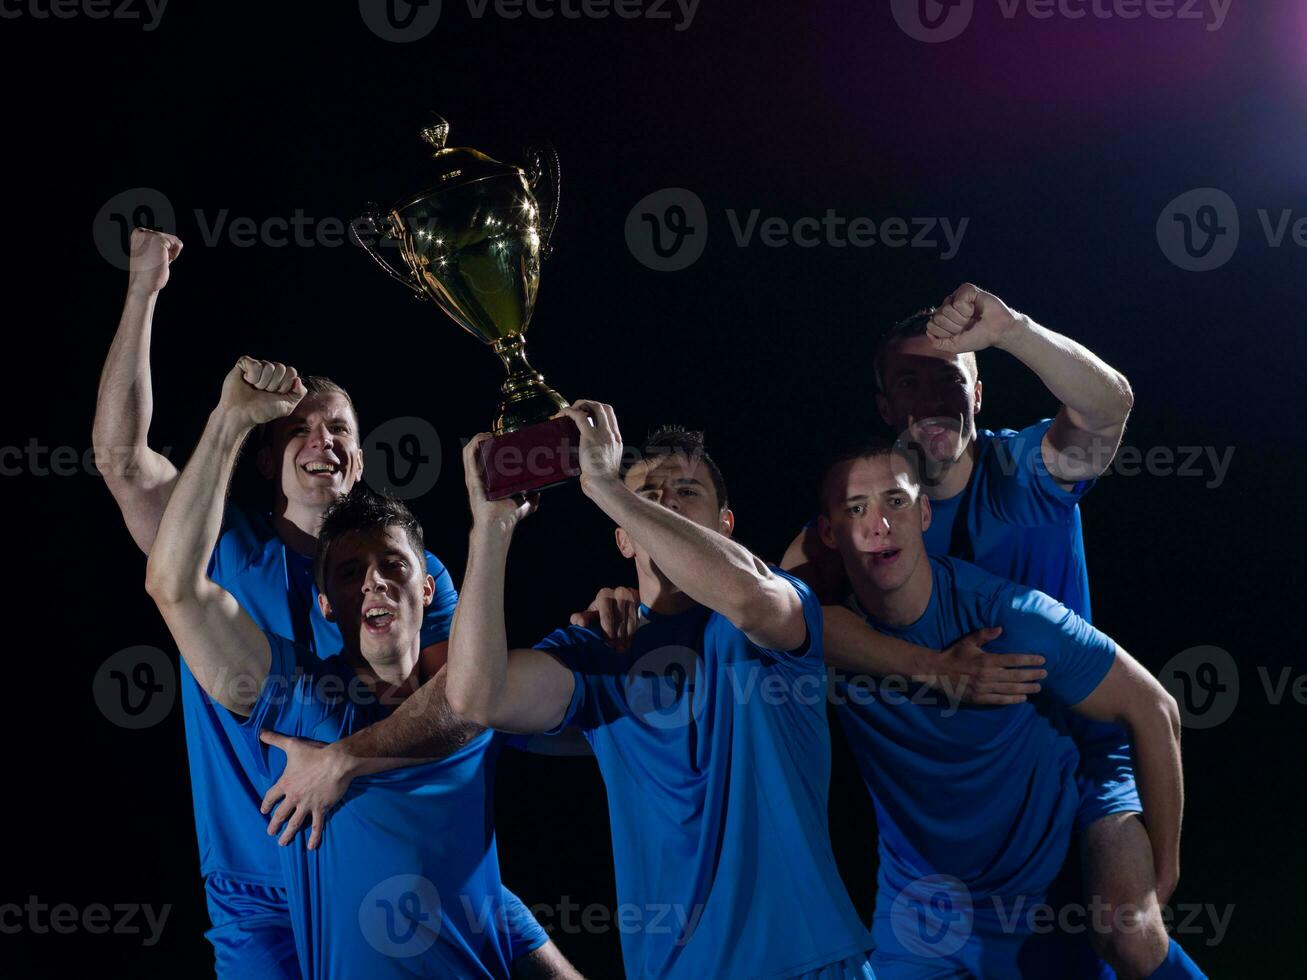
pixel 896 607
pixel 950 479
pixel 297 525
pixel 659 594
pixel 396 677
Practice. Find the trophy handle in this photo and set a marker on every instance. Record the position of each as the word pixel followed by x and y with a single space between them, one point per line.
pixel 542 178
pixel 371 217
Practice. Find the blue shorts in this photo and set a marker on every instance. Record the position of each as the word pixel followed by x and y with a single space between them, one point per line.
pixel 251 934
pixel 1105 776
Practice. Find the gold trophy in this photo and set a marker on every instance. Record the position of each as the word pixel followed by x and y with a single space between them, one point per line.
pixel 471 240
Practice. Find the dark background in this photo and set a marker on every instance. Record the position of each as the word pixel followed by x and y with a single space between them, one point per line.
pixel 1061 140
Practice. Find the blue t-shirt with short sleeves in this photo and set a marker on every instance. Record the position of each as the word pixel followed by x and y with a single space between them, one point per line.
pixel 406 880
pixel 984 794
pixel 716 758
pixel 271 584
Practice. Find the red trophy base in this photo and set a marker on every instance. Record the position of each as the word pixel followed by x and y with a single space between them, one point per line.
pixel 529 459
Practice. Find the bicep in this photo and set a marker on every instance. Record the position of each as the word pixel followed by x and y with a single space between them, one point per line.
pixel 224 648
pixel 784 626
pixel 1125 691
pixel 537 695
pixel 1074 449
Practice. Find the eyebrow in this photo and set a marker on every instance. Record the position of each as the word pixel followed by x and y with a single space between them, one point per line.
pixel 680 481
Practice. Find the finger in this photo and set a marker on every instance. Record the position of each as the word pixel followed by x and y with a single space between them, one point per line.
pixel 277 377
pixel 292 828
pixel 610 622
pixel 297 389
pixel 249 368
pixel 613 428
pixel 1009 689
pixel 1014 659
pixel 954 316
pixel 315 838
pixel 579 416
pixel 588 618
pixel 275 739
pixel 265 375
pixel 1017 676
pixel 270 798
pixel 942 326
pixel 284 812
pixel 982 636
pixel 1000 699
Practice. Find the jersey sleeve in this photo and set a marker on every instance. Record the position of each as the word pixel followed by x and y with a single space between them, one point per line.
pixel 1076 655
pixel 809 652
pixel 574 648
pixel 525 934
pixel 435 623
pixel 237 544
pixel 1022 490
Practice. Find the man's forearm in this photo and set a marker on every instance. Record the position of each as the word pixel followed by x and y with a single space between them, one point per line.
pixel 192 521
pixel 422 729
pixel 853 646
pixel 1077 377
pixel 1156 745
pixel 709 567
pixel 124 403
pixel 477 671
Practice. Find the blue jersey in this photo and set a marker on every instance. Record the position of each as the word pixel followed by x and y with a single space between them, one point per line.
pixel 406 880
pixel 274 585
pixel 716 758
pixel 986 795
pixel 1014 519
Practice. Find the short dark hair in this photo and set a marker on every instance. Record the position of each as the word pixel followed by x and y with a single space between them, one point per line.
pixel 314 384
pixel 912 326
pixel 671 439
pixel 364 509
pixel 868 448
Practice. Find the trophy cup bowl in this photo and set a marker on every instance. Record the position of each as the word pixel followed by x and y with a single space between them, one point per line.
pixel 471 240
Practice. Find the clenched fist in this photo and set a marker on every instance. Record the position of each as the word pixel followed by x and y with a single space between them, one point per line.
pixel 257 391
pixel 970 320
pixel 153 253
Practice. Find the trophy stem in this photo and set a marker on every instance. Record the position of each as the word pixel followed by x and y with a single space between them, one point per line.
pixel 529 400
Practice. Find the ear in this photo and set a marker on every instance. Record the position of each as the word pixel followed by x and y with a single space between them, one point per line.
pixel 726 523
pixel 624 543
pixel 925 512
pixel 826 532
pixel 325 608
pixel 979 383
pixel 428 591
pixel 265 462
pixel 358 465
pixel 882 406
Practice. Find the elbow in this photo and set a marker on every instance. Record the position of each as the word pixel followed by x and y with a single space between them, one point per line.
pixel 162 584
pixel 467 707
pixel 1126 394
pixel 1156 719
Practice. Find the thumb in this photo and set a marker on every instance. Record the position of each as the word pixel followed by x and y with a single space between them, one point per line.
pixel 983 636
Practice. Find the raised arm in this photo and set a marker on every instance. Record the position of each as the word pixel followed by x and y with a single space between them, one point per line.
pixel 511 690
pixel 706 565
pixel 1096 398
pixel 1131 697
pixel 228 654
pixel 139 478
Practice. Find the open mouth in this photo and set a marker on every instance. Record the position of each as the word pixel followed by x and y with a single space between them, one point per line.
pixel 931 428
pixel 886 556
pixel 320 467
pixel 378 619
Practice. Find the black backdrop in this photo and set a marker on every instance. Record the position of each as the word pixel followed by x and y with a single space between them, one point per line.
pixel 1060 140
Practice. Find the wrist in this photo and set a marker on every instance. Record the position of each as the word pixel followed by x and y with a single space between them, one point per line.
pixel 492 533
pixel 1017 330
pixel 229 426
pixel 601 487
pixel 344 763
